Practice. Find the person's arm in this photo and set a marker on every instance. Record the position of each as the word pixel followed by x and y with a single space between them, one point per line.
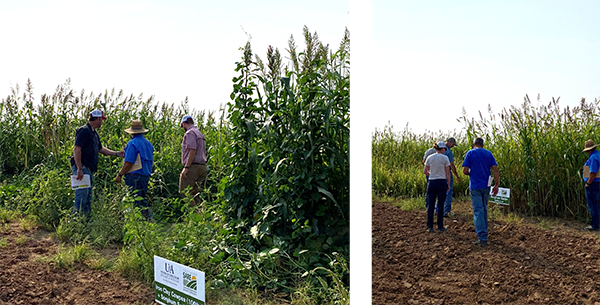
pixel 454 171
pixel 465 170
pixel 426 170
pixel 77 158
pixel 107 152
pixel 496 180
pixel 448 177
pixel 188 163
pixel 591 179
pixel 124 169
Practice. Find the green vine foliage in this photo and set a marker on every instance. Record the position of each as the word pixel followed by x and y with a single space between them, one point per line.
pixel 287 186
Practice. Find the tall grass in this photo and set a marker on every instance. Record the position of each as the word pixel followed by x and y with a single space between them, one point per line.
pixel 538 149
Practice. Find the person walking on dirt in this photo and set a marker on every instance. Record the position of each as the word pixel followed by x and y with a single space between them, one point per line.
pixel 137 165
pixel 476 165
pixel 437 167
pixel 592 184
pixel 193 158
pixel 451 142
pixel 85 159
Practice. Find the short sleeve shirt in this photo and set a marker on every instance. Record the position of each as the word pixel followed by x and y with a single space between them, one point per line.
pixel 89 141
pixel 437 166
pixel 593 162
pixel 193 139
pixel 428 153
pixel 479 161
pixel 139 145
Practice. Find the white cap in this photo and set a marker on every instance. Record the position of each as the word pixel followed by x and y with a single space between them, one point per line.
pixel 185 118
pixel 441 144
pixel 97 114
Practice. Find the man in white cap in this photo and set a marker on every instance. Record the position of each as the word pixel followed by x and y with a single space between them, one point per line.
pixel 137 165
pixel 193 158
pixel 85 159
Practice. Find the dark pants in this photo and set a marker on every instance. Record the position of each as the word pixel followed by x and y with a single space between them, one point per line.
pixel 436 189
pixel 592 194
pixel 139 185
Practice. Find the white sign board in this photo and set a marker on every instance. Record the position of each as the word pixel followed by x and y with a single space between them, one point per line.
pixel 176 284
pixel 502 198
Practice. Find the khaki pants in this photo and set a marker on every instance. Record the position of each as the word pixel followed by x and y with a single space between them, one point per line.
pixel 196 174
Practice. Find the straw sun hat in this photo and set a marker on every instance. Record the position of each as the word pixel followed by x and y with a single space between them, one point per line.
pixel 589 145
pixel 136 128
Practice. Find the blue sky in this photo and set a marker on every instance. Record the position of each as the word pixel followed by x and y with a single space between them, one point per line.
pixel 428 59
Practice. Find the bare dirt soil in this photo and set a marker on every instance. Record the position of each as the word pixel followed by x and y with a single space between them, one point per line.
pixel 524 263
pixel 28 275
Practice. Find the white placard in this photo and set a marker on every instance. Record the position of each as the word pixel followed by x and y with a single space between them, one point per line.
pixel 177 284
pixel 84 183
pixel 502 198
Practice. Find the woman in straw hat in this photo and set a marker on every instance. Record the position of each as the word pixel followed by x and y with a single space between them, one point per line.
pixel 592 183
pixel 137 165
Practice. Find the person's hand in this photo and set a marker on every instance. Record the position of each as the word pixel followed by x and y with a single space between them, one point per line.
pixel 118 179
pixel 121 153
pixel 79 174
pixel 495 190
pixel 184 173
pixel 457 179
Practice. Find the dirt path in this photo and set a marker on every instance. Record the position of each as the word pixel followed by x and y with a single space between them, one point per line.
pixel 524 264
pixel 28 277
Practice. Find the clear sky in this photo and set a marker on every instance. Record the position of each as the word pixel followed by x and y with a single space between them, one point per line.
pixel 429 59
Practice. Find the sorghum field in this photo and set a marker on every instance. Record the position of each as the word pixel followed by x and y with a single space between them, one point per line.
pixel 274 227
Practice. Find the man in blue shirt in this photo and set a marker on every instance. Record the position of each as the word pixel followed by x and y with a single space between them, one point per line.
pixel 451 142
pixel 85 159
pixel 592 184
pixel 137 165
pixel 476 165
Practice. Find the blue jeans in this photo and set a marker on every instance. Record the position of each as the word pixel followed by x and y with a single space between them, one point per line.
pixel 83 197
pixel 436 189
pixel 448 203
pixel 479 199
pixel 139 186
pixel 592 194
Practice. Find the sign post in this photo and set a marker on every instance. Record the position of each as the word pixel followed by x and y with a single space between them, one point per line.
pixel 177 284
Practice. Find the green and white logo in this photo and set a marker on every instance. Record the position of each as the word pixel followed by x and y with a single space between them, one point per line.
pixel 190 282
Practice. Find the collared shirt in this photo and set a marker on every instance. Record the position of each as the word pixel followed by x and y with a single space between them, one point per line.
pixel 140 145
pixel 89 141
pixel 193 139
pixel 479 161
pixel 593 162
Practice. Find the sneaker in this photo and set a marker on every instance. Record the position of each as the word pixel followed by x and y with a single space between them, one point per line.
pixel 444 229
pixel 481 243
pixel 430 230
pixel 590 228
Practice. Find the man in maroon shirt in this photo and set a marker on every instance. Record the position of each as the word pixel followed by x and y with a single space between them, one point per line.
pixel 193 158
